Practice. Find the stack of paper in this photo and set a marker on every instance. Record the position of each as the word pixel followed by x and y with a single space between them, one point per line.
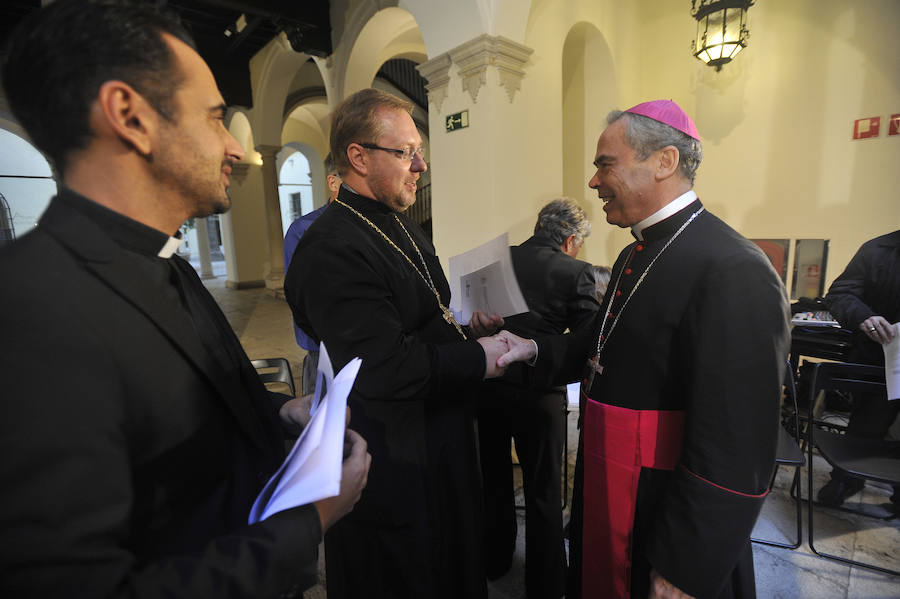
pixel 483 279
pixel 312 470
pixel 892 364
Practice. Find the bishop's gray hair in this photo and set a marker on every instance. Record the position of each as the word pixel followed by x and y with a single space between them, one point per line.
pixel 561 218
pixel 645 136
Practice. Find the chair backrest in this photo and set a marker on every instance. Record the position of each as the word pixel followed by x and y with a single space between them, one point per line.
pixel 845 376
pixel 789 451
pixel 274 372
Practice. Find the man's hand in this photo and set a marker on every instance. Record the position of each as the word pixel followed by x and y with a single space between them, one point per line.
pixel 354 475
pixel 494 347
pixel 295 413
pixel 660 588
pixel 520 350
pixel 878 329
pixel 483 325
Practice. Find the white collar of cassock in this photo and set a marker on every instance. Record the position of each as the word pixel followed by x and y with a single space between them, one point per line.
pixel 663 213
pixel 171 245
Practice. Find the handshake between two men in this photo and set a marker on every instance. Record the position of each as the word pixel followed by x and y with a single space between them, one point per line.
pixel 500 348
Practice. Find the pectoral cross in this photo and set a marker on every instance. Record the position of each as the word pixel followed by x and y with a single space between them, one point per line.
pixel 448 316
pixel 596 368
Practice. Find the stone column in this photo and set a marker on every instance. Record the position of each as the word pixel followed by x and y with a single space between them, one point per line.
pixel 206 271
pixel 275 238
pixel 471 199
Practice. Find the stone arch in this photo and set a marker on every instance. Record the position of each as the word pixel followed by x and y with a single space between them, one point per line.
pixel 28 184
pixel 9 123
pixel 457 22
pixel 238 124
pixel 316 163
pixel 306 129
pixel 272 71
pixel 389 33
pixel 589 92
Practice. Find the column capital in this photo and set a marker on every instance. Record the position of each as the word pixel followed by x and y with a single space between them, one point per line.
pixel 267 152
pixel 475 56
pixel 239 171
pixel 437 72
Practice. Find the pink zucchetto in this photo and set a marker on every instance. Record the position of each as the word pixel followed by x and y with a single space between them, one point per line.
pixel 668 113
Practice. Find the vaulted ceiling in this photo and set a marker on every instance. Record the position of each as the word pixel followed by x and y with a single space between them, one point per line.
pixel 226 43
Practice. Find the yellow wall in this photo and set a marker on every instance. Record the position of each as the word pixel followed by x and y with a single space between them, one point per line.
pixel 777 122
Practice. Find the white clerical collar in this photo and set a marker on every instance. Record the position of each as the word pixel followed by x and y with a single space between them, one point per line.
pixel 663 213
pixel 171 245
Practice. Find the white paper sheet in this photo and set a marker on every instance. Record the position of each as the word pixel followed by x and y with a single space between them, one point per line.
pixel 312 470
pixel 892 364
pixel 483 279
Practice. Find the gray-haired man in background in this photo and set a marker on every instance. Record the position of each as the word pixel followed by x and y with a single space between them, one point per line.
pixel 561 295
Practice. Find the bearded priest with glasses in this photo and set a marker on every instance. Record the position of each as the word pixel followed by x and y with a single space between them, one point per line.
pixel 365 280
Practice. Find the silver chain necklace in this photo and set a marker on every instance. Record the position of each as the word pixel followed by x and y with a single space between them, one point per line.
pixel 594 362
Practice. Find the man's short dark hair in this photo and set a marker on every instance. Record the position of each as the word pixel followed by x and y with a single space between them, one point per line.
pixel 645 136
pixel 60 55
pixel 562 218
pixel 330 169
pixel 355 121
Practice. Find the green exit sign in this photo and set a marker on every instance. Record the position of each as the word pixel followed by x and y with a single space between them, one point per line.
pixel 457 121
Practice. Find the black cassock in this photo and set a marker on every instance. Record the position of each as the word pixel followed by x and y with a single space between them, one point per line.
pixel 705 337
pixel 416 531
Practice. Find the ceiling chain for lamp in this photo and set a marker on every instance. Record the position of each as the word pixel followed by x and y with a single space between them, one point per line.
pixel 721 30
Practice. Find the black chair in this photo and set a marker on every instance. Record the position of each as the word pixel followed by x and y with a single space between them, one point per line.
pixel 275 372
pixel 868 459
pixel 789 453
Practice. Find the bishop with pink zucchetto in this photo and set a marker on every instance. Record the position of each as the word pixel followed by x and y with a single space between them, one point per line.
pixel 681 379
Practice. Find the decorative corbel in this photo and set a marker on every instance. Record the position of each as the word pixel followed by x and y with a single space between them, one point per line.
pixel 239 172
pixel 437 72
pixel 509 58
pixel 475 56
pixel 472 58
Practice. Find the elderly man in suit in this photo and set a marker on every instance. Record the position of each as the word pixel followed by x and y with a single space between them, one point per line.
pixel 135 432
pixel 561 293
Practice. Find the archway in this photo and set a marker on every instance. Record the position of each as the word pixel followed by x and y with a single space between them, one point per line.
pixel 299 168
pixel 26 184
pixel 589 92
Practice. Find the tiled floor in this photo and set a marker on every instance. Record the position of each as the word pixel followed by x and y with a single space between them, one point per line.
pixel 263 324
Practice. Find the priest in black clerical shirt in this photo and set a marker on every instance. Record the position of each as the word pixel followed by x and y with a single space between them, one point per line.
pixel 135 433
pixel 365 280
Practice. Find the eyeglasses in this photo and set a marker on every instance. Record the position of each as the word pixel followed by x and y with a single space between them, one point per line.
pixel 405 155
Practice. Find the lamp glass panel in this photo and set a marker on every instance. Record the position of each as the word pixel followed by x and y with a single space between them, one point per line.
pixel 719 51
pixel 701 32
pixel 715 28
pixel 734 49
pixel 733 24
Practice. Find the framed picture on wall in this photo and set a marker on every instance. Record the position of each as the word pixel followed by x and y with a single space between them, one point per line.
pixel 778 251
pixel 810 261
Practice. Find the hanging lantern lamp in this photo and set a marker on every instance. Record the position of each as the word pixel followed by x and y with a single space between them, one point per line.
pixel 721 30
